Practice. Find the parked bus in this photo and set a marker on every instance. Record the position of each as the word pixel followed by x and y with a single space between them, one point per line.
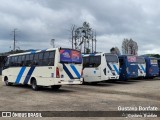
pixel 152 69
pixel 52 67
pixel 141 67
pixel 128 67
pixel 159 66
pixel 100 67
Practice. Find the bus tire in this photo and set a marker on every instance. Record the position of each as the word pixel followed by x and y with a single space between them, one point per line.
pixel 6 82
pixel 34 85
pixel 55 87
pixel 83 82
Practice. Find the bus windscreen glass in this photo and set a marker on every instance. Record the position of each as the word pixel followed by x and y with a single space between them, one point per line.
pixel 70 56
pixel 131 59
pixel 153 61
pixel 140 60
pixel 111 58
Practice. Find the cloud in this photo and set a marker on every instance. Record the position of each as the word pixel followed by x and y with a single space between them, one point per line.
pixel 39 21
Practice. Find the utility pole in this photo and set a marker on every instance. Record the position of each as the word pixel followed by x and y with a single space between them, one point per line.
pixel 95 41
pixel 83 38
pixel 14 38
pixel 72 30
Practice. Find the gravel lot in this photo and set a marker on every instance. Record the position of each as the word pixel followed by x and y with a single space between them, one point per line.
pixel 101 97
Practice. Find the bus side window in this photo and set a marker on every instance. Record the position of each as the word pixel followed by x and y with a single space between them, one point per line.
pixel 85 62
pixel 27 60
pixel 121 62
pixel 91 61
pixel 35 59
pixel 22 61
pixel 51 58
pixel 19 61
pixel 95 61
pixel 11 61
pixel 31 60
pixel 15 61
pixel 46 59
pixel 40 59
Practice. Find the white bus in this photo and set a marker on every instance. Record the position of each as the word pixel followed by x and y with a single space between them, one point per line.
pixel 141 66
pixel 100 67
pixel 51 67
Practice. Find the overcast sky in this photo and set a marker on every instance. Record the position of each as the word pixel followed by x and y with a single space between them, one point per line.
pixel 39 21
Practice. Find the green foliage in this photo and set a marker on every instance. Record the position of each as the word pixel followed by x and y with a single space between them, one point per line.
pixel 112 49
pixel 88 51
pixel 154 55
pixel 17 51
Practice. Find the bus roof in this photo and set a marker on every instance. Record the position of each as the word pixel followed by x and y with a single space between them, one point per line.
pixel 147 57
pixel 95 54
pixel 126 55
pixel 36 51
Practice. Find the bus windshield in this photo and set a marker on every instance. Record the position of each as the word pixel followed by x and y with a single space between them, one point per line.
pixel 131 59
pixel 70 56
pixel 140 60
pixel 111 58
pixel 154 61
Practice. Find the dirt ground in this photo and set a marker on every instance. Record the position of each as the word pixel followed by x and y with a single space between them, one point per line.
pixel 106 96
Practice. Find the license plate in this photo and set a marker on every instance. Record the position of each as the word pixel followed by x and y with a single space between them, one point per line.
pixel 70 81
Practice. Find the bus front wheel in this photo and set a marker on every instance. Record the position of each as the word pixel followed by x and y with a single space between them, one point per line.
pixel 34 85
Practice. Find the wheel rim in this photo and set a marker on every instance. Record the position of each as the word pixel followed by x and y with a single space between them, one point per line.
pixel 6 82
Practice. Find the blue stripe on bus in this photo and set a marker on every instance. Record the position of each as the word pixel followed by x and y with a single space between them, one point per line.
pixel 75 71
pixel 20 75
pixel 32 52
pixel 29 75
pixel 67 71
pixel 92 54
pixel 116 69
pixel 143 68
pixel 139 67
pixel 109 66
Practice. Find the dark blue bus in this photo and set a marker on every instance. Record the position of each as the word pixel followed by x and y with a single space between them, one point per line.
pixel 159 65
pixel 152 69
pixel 128 67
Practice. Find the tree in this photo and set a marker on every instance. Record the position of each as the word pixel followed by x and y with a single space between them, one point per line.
pixel 115 50
pixel 129 47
